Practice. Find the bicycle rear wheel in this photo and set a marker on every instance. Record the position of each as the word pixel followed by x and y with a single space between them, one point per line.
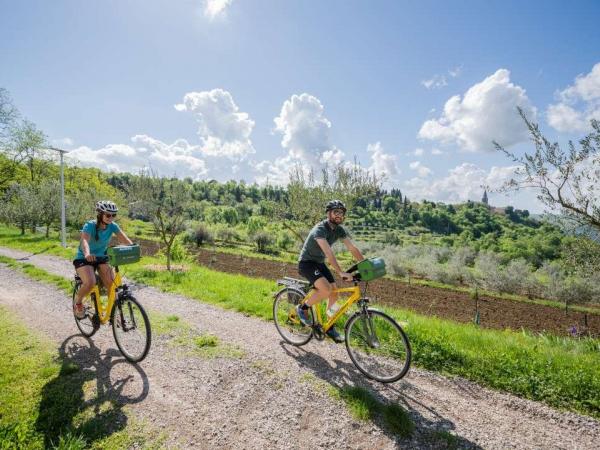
pixel 378 346
pixel 131 329
pixel 88 325
pixel 291 329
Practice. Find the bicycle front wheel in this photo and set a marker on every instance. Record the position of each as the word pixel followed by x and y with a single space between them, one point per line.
pixel 378 346
pixel 286 321
pixel 88 324
pixel 131 329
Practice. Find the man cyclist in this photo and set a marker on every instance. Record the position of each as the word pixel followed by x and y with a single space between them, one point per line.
pixel 91 254
pixel 311 263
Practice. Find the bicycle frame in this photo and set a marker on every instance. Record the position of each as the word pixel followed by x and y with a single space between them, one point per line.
pixel 105 311
pixel 354 297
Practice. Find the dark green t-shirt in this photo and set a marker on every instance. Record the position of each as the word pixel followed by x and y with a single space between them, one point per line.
pixel 311 251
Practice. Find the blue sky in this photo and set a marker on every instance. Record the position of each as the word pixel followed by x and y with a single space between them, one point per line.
pixel 242 89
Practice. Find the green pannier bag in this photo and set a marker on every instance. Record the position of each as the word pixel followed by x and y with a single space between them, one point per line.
pixel 123 254
pixel 372 268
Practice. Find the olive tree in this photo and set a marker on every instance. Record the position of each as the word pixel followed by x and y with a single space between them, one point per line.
pixel 309 193
pixel 567 180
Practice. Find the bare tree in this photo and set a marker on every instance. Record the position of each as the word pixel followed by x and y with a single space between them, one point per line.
pixel 165 202
pixel 307 194
pixel 567 180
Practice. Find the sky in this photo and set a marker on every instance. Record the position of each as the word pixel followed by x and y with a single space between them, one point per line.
pixel 415 91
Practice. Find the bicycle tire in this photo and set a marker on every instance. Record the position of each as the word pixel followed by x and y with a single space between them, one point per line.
pixel 284 315
pixel 131 328
pixel 378 346
pixel 89 324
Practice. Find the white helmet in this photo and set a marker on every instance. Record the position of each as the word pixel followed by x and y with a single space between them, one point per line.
pixel 105 206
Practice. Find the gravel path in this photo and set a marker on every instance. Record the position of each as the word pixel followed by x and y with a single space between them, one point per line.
pixel 276 395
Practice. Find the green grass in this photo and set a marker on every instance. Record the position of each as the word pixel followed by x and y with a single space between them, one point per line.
pixel 36 243
pixel 38 274
pixel 42 400
pixel 181 336
pixel 563 372
pixel 237 292
pixel 363 405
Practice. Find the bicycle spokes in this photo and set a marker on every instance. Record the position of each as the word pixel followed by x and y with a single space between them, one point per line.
pixel 378 346
pixel 291 329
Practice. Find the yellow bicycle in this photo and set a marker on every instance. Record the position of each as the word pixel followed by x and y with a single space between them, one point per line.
pixel 130 323
pixel 376 343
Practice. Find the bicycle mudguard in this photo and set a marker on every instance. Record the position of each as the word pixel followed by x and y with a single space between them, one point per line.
pixel 300 292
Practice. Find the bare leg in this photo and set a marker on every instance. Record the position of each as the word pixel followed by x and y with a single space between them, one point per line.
pixel 321 292
pixel 106 274
pixel 88 280
pixel 333 296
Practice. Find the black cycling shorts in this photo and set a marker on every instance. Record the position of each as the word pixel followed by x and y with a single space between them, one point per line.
pixel 84 262
pixel 312 271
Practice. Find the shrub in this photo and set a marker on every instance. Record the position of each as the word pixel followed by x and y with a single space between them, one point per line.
pixel 284 240
pixel 200 235
pixel 263 241
pixel 227 234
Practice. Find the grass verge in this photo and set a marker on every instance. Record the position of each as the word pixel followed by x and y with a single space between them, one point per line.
pixel 363 405
pixel 42 400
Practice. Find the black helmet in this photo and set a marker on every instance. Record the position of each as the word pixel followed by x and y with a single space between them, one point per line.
pixel 335 204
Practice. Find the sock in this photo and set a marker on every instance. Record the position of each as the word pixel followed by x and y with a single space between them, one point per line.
pixel 304 307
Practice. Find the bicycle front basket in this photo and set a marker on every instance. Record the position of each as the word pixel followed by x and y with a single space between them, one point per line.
pixel 123 254
pixel 372 268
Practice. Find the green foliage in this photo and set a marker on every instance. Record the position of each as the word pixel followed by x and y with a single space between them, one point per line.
pixel 263 241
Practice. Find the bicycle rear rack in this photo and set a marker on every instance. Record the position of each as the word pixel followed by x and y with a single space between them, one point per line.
pixel 293 283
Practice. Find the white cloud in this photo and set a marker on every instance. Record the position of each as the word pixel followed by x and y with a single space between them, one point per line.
pixel 439 81
pixel 419 152
pixel 456 71
pixel 223 129
pixel 216 8
pixel 464 182
pixel 177 159
pixel 306 137
pixel 383 164
pixel 421 170
pixel 486 112
pixel 436 151
pixel 578 104
pixel 435 82
pixel 64 142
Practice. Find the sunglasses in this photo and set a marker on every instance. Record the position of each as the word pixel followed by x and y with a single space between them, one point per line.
pixel 338 212
pixel 110 215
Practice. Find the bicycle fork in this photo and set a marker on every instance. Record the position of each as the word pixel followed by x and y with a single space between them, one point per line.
pixel 369 328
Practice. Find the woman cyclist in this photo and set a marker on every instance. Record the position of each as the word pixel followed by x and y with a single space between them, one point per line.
pixel 91 255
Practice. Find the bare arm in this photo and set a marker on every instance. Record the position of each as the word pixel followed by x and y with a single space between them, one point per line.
pixel 85 247
pixel 358 256
pixel 123 239
pixel 332 259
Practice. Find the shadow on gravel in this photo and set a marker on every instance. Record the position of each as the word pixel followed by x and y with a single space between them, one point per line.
pixel 392 412
pixel 84 402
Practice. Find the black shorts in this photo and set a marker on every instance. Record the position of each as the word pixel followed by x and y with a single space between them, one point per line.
pixel 84 262
pixel 312 271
